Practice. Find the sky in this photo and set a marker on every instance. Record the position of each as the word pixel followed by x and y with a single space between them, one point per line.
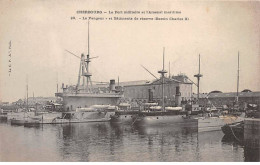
pixel 41 31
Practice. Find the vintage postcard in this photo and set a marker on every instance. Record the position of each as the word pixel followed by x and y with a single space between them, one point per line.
pixel 129 81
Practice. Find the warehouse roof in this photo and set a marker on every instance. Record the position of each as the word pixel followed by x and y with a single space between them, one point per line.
pixel 227 95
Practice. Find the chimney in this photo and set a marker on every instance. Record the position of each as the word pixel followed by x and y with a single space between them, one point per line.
pixel 112 85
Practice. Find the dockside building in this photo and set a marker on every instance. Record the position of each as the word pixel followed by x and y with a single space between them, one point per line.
pixel 220 99
pixel 176 89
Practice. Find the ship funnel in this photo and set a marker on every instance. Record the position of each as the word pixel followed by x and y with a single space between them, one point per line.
pixel 178 96
pixel 150 95
pixel 112 85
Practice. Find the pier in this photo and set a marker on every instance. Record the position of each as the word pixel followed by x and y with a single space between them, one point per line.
pixel 251 139
pixel 252 133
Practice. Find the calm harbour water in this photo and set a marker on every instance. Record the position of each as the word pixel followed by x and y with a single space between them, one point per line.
pixel 105 142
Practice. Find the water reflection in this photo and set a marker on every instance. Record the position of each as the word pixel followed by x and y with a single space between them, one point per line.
pixel 79 140
pixel 115 142
pixel 231 141
pixel 250 154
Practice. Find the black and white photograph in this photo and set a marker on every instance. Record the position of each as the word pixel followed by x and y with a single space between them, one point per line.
pixel 129 81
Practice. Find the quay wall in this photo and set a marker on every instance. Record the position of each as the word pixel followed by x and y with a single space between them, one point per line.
pixel 252 133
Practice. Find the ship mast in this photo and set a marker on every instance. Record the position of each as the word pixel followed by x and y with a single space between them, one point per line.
pixel 88 75
pixel 169 69
pixel 198 79
pixel 27 94
pixel 237 76
pixel 162 72
pixel 84 68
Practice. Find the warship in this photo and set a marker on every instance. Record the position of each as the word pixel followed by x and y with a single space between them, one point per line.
pixel 161 115
pixel 84 94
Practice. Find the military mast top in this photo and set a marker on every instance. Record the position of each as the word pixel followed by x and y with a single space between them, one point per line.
pixel 84 70
pixel 162 72
pixel 87 74
pixel 198 77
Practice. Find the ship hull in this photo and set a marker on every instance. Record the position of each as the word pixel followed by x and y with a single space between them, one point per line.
pixel 233 131
pixel 19 118
pixel 63 121
pixel 203 124
pixel 46 118
pixel 167 119
pixel 73 117
pixel 17 121
pixel 124 117
pixel 16 115
pixel 3 117
pixel 215 123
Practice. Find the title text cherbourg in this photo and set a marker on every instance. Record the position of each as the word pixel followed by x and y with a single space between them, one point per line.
pixel 125 12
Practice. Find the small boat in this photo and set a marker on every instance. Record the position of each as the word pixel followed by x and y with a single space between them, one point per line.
pixel 3 117
pixel 41 118
pixel 18 121
pixel 34 121
pixel 81 115
pixel 19 118
pixel 173 108
pixel 34 118
pixel 19 115
pixel 234 130
pixel 214 123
